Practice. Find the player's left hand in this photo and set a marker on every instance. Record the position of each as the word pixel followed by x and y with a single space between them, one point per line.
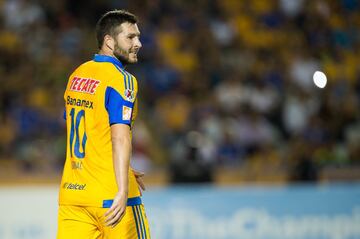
pixel 139 179
pixel 117 210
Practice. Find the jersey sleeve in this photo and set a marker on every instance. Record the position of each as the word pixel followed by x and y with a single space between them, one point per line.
pixel 120 96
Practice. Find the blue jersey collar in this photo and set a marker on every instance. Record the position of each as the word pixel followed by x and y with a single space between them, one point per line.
pixel 104 58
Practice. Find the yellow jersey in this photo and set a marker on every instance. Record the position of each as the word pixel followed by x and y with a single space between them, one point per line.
pixel 99 93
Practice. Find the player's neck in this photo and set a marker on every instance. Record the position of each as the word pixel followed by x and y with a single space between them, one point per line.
pixel 106 53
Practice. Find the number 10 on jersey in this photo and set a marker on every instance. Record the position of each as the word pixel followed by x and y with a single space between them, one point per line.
pixel 77 133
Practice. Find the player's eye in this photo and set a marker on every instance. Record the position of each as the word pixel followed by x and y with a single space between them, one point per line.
pixel 131 37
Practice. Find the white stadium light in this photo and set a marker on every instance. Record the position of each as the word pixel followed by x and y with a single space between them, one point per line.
pixel 320 79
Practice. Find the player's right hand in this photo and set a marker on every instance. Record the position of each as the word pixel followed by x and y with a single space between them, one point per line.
pixel 139 179
pixel 117 210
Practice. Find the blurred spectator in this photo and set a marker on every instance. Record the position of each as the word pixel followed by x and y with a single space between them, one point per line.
pixel 230 93
pixel 21 14
pixel 193 160
pixel 291 8
pixel 352 135
pixel 302 70
pixel 252 131
pixel 140 159
pixel 297 110
pixel 303 166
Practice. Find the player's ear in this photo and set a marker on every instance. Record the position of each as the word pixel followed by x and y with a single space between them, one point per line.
pixel 109 42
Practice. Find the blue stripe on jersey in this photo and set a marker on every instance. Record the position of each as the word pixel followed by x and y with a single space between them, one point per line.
pixel 142 220
pixel 128 79
pixel 141 223
pixel 114 104
pixel 131 82
pixel 130 202
pixel 64 115
pixel 136 222
pixel 124 75
pixel 110 59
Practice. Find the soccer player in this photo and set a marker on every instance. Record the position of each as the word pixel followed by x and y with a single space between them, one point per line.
pixel 99 194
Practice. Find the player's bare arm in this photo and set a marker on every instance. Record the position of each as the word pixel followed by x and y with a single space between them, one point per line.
pixel 121 142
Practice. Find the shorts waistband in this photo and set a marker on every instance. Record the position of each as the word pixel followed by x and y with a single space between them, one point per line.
pixel 130 202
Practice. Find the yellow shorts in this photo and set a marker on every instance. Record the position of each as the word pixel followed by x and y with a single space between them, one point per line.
pixel 79 222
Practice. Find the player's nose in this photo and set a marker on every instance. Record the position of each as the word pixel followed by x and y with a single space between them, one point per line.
pixel 137 44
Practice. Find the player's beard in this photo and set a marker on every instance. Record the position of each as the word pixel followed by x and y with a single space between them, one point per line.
pixel 122 55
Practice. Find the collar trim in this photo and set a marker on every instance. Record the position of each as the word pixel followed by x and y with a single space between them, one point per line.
pixel 104 58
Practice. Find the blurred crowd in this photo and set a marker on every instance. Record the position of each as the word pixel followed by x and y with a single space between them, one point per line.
pixel 223 83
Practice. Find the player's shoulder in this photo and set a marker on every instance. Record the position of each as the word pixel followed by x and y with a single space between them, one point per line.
pixel 82 67
pixel 126 86
pixel 129 79
pixel 106 68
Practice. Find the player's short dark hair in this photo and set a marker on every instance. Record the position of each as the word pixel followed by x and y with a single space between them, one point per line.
pixel 108 23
